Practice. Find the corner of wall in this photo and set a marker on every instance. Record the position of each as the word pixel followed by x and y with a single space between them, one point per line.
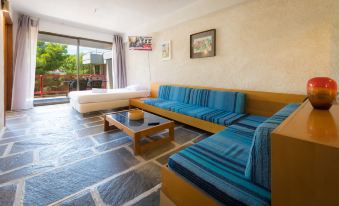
pixel 334 42
pixel 2 115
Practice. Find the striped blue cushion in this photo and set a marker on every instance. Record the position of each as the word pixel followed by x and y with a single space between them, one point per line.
pixel 164 92
pixel 196 111
pixel 180 106
pixel 180 94
pixel 217 165
pixel 166 104
pixel 250 122
pixel 241 103
pixel 154 101
pixel 199 97
pixel 212 115
pixel 228 101
pixel 258 167
pixel 216 99
pixel 223 117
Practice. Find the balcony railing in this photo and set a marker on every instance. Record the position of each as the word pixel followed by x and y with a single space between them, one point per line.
pixel 59 84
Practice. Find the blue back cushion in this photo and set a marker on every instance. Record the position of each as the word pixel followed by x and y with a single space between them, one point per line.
pixel 164 92
pixel 258 168
pixel 180 94
pixel 199 97
pixel 228 101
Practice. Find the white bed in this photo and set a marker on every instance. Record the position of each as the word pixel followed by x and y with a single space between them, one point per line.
pixel 89 101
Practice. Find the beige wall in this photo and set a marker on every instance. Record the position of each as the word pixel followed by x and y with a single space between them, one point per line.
pixel 335 42
pixel 1 75
pixel 266 45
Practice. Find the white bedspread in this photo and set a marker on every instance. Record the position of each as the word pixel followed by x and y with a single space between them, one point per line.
pixel 83 97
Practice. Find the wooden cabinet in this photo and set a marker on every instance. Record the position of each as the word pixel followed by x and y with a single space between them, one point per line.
pixel 305 158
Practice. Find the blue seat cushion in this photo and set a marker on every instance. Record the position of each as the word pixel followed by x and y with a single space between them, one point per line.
pixel 166 104
pixel 258 168
pixel 154 101
pixel 223 117
pixel 248 124
pixel 217 116
pixel 196 111
pixel 212 115
pixel 217 165
pixel 180 106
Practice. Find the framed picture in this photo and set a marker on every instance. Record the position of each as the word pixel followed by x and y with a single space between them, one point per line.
pixel 202 44
pixel 140 43
pixel 166 50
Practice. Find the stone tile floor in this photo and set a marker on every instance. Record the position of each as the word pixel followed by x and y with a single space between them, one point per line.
pixel 52 155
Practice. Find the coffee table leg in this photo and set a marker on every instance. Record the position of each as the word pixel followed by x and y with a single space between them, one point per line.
pixel 136 144
pixel 171 133
pixel 108 127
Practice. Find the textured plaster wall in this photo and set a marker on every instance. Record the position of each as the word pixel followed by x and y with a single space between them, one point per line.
pixel 1 75
pixel 266 45
pixel 335 42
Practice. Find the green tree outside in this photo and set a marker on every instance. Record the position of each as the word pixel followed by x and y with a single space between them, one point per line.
pixel 54 56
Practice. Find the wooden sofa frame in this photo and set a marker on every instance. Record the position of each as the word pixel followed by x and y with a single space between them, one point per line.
pixel 175 187
pixel 257 103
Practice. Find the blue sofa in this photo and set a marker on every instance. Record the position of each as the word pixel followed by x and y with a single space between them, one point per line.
pixel 233 166
pixel 220 107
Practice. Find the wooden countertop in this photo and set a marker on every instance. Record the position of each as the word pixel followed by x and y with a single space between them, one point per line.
pixel 308 124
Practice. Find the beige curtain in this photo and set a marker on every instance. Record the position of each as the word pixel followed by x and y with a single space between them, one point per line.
pixel 24 63
pixel 118 63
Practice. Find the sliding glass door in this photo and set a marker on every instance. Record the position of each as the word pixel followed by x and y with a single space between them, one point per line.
pixel 93 60
pixel 67 64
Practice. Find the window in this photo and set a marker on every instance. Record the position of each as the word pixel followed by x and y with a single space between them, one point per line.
pixel 68 63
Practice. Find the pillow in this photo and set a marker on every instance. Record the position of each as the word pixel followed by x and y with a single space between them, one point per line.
pixel 98 90
pixel 136 87
pixel 258 167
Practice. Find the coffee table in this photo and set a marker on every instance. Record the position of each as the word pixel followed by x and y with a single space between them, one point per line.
pixel 140 130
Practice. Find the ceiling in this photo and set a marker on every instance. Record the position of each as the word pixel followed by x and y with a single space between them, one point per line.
pixel 121 16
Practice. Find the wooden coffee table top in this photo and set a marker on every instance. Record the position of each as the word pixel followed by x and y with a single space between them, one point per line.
pixel 136 125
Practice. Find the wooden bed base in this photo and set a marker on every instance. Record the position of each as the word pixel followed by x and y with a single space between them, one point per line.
pixel 183 193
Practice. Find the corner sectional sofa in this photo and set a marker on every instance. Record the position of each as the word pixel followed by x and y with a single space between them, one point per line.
pixel 231 167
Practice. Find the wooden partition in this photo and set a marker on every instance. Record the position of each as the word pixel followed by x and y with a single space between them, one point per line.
pixel 305 156
pixel 8 60
pixel 258 103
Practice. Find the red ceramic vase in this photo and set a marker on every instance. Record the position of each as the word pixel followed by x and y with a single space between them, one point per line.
pixel 322 92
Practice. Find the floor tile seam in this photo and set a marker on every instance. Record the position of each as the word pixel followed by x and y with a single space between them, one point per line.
pixel 19 194
pixel 169 151
pixel 51 145
pixel 55 167
pixel 143 195
pixel 101 182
